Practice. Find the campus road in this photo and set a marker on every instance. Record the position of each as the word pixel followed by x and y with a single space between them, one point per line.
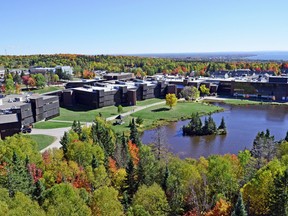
pixel 58 132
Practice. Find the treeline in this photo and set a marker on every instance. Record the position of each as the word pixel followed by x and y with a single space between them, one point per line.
pixel 196 128
pixel 98 172
pixel 139 65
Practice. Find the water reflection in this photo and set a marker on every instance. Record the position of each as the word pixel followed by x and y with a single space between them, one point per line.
pixel 243 123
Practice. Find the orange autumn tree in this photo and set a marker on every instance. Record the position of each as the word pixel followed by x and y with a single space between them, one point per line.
pixel 134 152
pixel 88 74
pixel 222 208
pixel 112 165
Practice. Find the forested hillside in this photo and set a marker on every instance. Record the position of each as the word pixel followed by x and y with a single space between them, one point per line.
pixel 98 172
pixel 137 65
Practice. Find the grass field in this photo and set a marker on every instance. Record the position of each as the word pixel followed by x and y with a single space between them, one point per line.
pixel 42 140
pixel 51 124
pixel 243 102
pixel 80 113
pixel 47 89
pixel 161 114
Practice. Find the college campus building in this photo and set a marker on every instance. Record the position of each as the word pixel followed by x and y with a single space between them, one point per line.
pixel 17 111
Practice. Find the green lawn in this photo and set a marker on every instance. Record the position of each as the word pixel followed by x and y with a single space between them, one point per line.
pixel 42 140
pixel 161 114
pixel 79 113
pixel 83 115
pixel 242 102
pixel 47 89
pixel 51 124
pixel 149 101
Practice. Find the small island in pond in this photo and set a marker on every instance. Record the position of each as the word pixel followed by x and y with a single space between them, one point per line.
pixel 196 128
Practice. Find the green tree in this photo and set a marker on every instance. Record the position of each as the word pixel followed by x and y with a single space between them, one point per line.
pixel 190 93
pixel 63 199
pixel 279 195
pixel 17 78
pixel 286 137
pixel 40 80
pixel 134 135
pixel 204 90
pixel 9 86
pixel 153 200
pixel 38 193
pixel 18 177
pixel 171 100
pixel 105 202
pixel 119 109
pixel 64 142
pixel 139 120
pixel 239 209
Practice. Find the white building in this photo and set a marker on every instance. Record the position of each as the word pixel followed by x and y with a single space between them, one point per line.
pixel 65 69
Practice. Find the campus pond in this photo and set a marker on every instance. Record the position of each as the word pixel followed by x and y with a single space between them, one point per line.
pixel 242 122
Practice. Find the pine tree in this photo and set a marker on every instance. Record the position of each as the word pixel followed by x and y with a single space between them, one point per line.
pixel 19 177
pixel 79 128
pixel 134 136
pixel 165 179
pixel 131 181
pixel 64 142
pixel 94 133
pixel 94 162
pixel 286 137
pixel 222 124
pixel 38 193
pixel 279 195
pixel 74 126
pixel 124 150
pixel 239 209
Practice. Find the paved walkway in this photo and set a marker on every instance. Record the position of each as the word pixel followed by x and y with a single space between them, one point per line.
pixel 58 132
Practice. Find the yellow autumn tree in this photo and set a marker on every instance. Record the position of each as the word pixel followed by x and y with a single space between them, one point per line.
pixel 171 100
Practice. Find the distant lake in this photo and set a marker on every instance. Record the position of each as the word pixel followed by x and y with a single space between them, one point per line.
pixel 272 55
pixel 278 56
pixel 242 122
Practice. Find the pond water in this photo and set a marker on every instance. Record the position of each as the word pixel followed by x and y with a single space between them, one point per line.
pixel 242 122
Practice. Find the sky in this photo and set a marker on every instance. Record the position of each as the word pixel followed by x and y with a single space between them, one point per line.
pixel 139 27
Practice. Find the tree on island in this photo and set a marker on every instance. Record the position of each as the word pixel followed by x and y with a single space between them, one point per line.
pixel 171 100
pixel 195 128
pixel 222 127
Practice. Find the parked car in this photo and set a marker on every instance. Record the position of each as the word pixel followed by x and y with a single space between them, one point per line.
pixel 26 129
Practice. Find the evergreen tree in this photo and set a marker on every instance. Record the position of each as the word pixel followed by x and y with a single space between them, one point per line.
pixel 165 179
pixel 222 124
pixel 17 78
pixel 74 126
pixel 94 162
pixel 18 177
pixel 134 136
pixel 131 181
pixel 239 209
pixel 94 133
pixel 286 137
pixel 64 142
pixel 279 195
pixel 38 193
pixel 124 150
pixel 79 128
pixel 211 129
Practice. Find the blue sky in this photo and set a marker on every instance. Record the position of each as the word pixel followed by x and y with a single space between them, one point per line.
pixel 147 26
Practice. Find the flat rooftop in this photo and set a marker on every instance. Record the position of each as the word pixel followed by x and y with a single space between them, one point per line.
pixel 16 100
